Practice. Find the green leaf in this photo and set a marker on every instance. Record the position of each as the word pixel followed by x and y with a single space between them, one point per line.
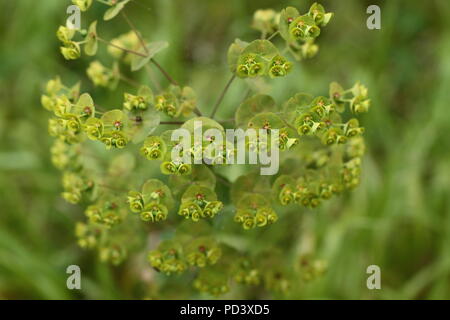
pixel 327 18
pixel 266 120
pixel 263 48
pixel 91 46
pixel 74 92
pixel 234 51
pixel 288 14
pixel 254 105
pixel 137 62
pixel 195 191
pixel 150 121
pixel 201 175
pixel 85 106
pixel 155 190
pixel 250 183
pixel 110 118
pixel 281 182
pixel 253 201
pixel 166 136
pixel 114 10
pixel 146 92
pixel 206 123
pixel 294 105
pixel 122 165
pixel 336 94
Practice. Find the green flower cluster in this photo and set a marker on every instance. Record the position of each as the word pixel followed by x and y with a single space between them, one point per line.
pixel 202 251
pixel 245 272
pixel 64 156
pixel 176 168
pixel 154 148
pixel 114 254
pixel 351 167
pixel 254 210
pixel 128 41
pixel 113 129
pixel 300 31
pixel 321 116
pixel 161 148
pixel 176 101
pixel 266 21
pixel 287 138
pixel 140 101
pixel 259 58
pixel 88 235
pixel 212 281
pixel 310 268
pixel 199 202
pixel 221 265
pixel 102 76
pixel 186 249
pixel 305 190
pixel 153 202
pixel 71 50
pixel 104 212
pixel 322 152
pixel 75 186
pixel 168 258
pixel 105 229
pixel 69 116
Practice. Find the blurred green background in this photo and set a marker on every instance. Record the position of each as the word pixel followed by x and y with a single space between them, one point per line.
pixel 398 219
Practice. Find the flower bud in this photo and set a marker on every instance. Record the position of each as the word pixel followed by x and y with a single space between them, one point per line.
pixel 71 51
pixel 84 5
pixel 65 34
pixel 135 201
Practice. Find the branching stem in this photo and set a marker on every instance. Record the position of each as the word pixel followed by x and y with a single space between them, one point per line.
pixel 121 48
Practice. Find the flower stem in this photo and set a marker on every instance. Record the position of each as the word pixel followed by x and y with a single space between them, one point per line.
pixel 164 72
pixel 138 34
pixel 120 48
pixel 222 95
pixel 142 41
pixel 171 122
pixel 129 81
pixel 273 35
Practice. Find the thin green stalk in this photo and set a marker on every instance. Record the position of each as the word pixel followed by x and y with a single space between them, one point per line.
pixel 222 95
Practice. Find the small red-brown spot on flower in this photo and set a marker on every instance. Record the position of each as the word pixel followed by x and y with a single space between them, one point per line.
pixel 117 124
pixel 199 196
pixel 290 19
pixel 160 193
pixel 202 249
pixel 87 110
